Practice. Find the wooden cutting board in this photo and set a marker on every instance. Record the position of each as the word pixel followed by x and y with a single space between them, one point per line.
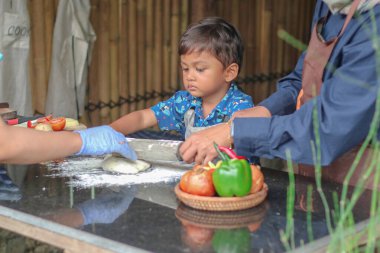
pixel 79 127
pixel 8 113
pixel 4 105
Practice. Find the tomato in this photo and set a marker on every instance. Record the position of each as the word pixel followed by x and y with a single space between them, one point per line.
pixel 30 124
pixel 254 227
pixel 58 124
pixel 196 237
pixel 257 179
pixel 198 181
pixel 44 119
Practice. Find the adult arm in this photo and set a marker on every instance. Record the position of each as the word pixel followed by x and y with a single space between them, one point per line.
pixel 345 107
pixel 22 145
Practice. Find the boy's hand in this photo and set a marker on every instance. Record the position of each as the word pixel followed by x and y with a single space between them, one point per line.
pixel 104 140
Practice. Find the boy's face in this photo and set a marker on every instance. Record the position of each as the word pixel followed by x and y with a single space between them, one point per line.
pixel 203 75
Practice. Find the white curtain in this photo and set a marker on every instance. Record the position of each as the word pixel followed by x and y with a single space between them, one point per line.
pixel 72 44
pixel 14 44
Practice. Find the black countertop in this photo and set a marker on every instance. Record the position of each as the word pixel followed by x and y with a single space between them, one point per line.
pixel 149 217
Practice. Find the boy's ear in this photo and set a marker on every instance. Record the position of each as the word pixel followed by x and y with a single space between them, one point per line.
pixel 231 72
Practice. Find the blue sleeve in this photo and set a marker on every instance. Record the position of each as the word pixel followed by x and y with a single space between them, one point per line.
pixel 240 103
pixel 284 100
pixel 345 108
pixel 169 113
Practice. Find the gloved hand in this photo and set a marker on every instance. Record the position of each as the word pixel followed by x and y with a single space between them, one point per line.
pixel 106 208
pixel 1 56
pixel 8 190
pixel 104 140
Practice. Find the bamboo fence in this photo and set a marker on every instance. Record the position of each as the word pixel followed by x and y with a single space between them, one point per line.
pixel 134 60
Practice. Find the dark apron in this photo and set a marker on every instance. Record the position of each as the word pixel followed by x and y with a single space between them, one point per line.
pixel 316 58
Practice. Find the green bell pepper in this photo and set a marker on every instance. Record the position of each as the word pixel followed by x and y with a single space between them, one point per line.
pixel 232 241
pixel 233 177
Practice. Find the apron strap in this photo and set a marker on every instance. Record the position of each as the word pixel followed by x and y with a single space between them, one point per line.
pixel 330 44
pixel 350 14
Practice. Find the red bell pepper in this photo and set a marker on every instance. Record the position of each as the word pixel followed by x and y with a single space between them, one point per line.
pixel 231 153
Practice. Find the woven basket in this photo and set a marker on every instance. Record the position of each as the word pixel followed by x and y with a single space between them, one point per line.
pixel 222 219
pixel 221 203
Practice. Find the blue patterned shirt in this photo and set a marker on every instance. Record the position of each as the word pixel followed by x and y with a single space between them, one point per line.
pixel 170 113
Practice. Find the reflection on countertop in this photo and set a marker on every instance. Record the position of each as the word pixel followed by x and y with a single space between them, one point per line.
pixel 148 215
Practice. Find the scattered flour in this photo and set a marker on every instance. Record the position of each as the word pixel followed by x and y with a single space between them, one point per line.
pixel 85 172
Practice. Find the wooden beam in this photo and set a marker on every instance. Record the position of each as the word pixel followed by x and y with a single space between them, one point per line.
pixel 69 239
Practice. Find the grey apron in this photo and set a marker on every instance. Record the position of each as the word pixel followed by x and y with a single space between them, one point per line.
pixel 189 123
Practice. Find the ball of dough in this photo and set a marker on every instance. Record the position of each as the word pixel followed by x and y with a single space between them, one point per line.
pixel 43 127
pixel 71 122
pixel 123 165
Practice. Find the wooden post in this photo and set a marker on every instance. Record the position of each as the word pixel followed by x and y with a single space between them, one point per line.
pixel 141 80
pixel 257 41
pixel 265 49
pixel 227 10
pixel 149 34
pixel 250 51
pixel 104 60
pixel 132 51
pixel 166 53
pixel 157 57
pixel 50 12
pixel 32 73
pixel 302 27
pixel 184 15
pixel 123 53
pixel 56 4
pixel 39 88
pixel 235 12
pixel 114 56
pixel 241 23
pixel 175 34
pixel 184 24
pixel 198 9
pixel 93 84
pixel 278 46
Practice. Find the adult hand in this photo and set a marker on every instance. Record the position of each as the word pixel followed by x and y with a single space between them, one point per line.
pixel 104 140
pixel 199 147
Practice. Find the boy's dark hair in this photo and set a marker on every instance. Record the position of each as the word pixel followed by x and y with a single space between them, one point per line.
pixel 215 36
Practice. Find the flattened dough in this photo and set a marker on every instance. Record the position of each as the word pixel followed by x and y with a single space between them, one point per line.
pixel 122 165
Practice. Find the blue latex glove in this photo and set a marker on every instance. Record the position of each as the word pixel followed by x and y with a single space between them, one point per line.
pixel 1 56
pixel 106 208
pixel 104 140
pixel 8 190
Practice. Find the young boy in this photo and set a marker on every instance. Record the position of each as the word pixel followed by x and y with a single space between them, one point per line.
pixel 211 53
